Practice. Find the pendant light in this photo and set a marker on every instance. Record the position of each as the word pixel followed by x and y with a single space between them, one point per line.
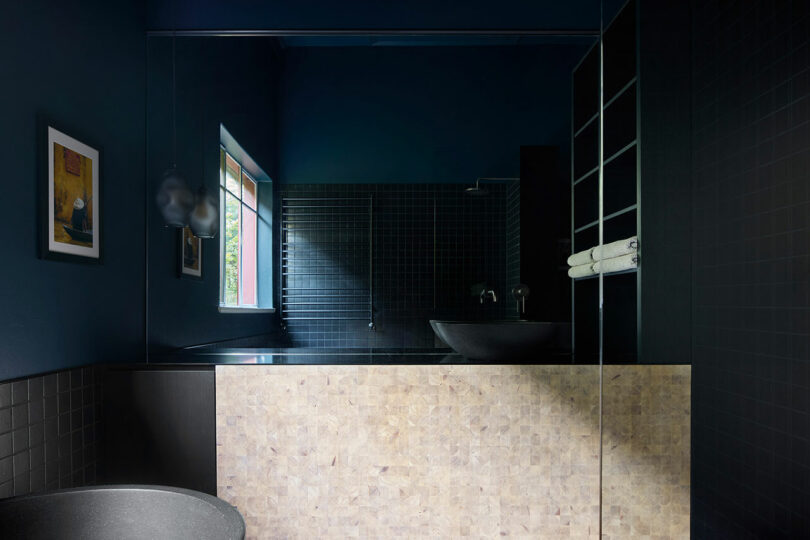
pixel 204 218
pixel 174 198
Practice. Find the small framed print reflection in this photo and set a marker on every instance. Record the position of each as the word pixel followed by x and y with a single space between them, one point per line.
pixel 189 254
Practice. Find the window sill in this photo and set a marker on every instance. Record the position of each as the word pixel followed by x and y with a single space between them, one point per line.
pixel 245 310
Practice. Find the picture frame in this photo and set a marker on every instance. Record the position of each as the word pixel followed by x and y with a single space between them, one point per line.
pixel 69 191
pixel 189 255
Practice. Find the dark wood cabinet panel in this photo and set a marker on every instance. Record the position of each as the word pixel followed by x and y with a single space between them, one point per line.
pixel 160 427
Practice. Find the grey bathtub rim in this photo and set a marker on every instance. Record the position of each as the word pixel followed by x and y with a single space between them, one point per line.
pixel 229 512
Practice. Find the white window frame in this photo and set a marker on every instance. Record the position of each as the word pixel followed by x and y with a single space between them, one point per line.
pixel 239 307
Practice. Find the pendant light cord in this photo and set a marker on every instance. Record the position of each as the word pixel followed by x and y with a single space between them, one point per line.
pixel 174 87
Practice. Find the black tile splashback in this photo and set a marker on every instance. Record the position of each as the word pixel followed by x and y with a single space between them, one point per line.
pixel 512 237
pixel 751 322
pixel 49 431
pixel 431 243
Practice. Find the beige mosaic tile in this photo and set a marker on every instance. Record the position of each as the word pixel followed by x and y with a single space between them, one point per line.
pixel 410 451
pixel 646 452
pixel 454 451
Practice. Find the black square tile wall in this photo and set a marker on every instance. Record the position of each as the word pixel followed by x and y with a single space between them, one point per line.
pixel 512 235
pixel 471 249
pixel 431 243
pixel 751 269
pixel 49 431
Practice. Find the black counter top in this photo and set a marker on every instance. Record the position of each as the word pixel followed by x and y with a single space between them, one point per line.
pixel 301 356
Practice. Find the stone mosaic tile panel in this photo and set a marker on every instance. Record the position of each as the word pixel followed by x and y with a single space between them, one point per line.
pixel 646 452
pixel 410 451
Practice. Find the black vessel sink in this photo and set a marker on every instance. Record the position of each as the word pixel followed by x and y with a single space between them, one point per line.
pixel 503 340
pixel 121 512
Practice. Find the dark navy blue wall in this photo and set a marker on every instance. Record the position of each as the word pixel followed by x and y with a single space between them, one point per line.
pixel 84 66
pixel 420 114
pixel 249 14
pixel 229 81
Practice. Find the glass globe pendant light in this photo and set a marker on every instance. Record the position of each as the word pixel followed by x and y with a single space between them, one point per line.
pixel 175 199
pixel 204 218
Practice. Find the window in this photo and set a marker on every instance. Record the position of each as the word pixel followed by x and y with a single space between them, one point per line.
pixel 238 241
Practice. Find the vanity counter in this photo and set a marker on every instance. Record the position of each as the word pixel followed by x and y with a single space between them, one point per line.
pixel 311 356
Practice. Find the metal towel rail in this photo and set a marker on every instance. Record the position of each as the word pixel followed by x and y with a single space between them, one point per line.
pixel 326 259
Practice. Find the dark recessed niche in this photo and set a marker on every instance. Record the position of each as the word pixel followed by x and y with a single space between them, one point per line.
pixel 586 200
pixel 586 238
pixel 620 318
pixel 620 184
pixel 620 123
pixel 620 51
pixel 586 150
pixel 586 88
pixel 586 320
pixel 620 227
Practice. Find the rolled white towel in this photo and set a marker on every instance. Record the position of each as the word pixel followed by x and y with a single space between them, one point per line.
pixel 581 270
pixel 615 249
pixel 583 257
pixel 616 264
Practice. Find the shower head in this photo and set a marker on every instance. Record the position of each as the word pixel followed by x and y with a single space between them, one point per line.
pixel 476 191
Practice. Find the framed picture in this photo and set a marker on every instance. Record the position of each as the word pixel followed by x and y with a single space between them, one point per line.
pixel 189 254
pixel 69 195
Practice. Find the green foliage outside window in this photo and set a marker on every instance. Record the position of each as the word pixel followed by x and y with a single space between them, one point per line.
pixel 231 250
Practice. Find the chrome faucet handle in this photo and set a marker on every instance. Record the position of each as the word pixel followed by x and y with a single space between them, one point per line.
pixel 490 292
pixel 520 292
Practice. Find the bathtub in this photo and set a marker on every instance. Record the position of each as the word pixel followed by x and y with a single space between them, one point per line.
pixel 121 512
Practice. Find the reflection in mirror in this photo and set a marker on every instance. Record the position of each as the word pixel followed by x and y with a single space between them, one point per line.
pixel 403 179
pixel 225 105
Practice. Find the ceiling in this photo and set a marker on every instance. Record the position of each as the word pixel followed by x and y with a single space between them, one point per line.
pixel 429 41
pixel 371 14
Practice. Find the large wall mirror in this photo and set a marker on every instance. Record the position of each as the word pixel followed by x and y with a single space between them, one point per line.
pixel 367 184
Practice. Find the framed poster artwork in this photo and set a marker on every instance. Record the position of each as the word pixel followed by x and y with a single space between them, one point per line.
pixel 70 196
pixel 190 254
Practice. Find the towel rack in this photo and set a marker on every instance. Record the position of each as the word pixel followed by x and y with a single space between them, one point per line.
pixel 327 258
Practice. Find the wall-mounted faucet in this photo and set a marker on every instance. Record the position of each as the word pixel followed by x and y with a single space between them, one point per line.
pixel 520 292
pixel 488 293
